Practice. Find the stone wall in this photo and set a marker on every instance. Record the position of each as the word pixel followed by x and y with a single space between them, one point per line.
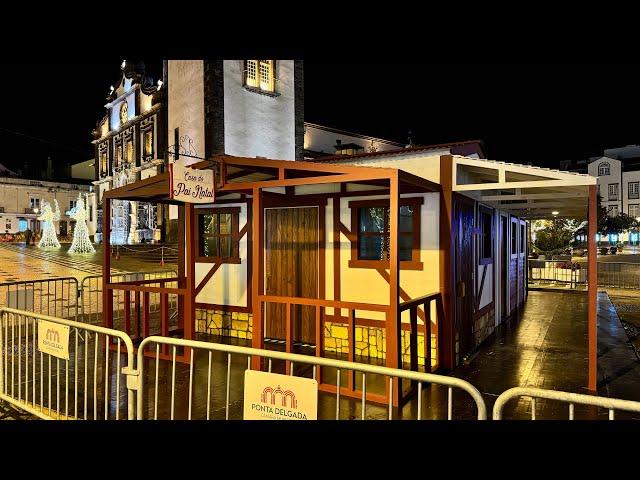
pixel 370 341
pixel 483 326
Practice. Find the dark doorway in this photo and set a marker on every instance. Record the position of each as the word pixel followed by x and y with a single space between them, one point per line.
pixel 504 268
pixel 463 268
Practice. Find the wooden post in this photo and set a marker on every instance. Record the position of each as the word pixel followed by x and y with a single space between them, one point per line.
pixel 446 332
pixel 181 263
pixel 107 305
pixel 190 274
pixel 393 324
pixel 592 289
pixel 257 280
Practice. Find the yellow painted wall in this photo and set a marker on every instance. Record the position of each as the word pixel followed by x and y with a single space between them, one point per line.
pixel 229 284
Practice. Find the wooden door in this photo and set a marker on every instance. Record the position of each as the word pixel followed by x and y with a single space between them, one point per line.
pixel 291 269
pixel 504 268
pixel 463 268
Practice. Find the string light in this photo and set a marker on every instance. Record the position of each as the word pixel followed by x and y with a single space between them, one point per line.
pixel 81 242
pixel 49 238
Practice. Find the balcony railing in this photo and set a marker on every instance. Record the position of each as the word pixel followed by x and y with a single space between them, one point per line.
pixel 613 198
pixel 634 196
pixel 30 210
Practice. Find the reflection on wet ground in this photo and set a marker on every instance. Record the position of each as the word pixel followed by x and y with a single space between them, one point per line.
pixel 545 347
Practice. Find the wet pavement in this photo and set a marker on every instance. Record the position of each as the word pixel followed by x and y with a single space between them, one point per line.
pixel 545 347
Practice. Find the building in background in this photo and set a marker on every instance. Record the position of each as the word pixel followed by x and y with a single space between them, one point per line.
pixel 21 202
pixel 84 170
pixel 321 141
pixel 618 174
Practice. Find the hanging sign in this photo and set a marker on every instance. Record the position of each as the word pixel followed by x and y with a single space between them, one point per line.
pixel 53 339
pixel 271 396
pixel 189 185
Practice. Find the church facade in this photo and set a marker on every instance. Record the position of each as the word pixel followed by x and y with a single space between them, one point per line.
pixel 199 108
pixel 127 142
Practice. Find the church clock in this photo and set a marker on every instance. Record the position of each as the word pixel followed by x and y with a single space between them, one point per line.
pixel 124 112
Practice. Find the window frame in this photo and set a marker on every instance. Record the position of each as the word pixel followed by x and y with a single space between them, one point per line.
pixel 633 195
pixel 616 194
pixel 601 168
pixel 637 207
pixel 482 210
pixel 257 88
pixel 414 263
pixel 235 235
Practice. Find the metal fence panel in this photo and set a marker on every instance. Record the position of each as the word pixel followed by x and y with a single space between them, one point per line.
pixel 91 296
pixel 56 297
pixel 165 375
pixel 572 399
pixel 91 384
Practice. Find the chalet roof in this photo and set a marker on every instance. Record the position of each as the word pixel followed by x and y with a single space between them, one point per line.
pixel 400 151
pixel 242 175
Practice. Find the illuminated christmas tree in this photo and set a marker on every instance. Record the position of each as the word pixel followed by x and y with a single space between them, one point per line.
pixel 49 238
pixel 81 242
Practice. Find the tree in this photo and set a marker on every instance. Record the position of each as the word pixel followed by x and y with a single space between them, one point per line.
pixel 618 224
pixel 556 234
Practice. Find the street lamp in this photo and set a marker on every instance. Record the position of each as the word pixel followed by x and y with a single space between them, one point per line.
pixel 555 212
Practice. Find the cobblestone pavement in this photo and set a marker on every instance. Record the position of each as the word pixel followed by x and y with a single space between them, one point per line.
pixel 19 262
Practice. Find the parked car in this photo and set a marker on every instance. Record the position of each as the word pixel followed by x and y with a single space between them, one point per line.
pixel 579 252
pixel 604 250
pixel 613 250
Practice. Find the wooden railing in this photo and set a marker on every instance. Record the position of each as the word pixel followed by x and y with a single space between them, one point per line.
pixel 319 304
pixel 413 305
pixel 141 291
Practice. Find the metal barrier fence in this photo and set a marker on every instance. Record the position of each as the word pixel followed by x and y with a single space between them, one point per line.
pixel 57 297
pixel 215 391
pixel 619 275
pixel 91 296
pixel 611 404
pixel 574 275
pixel 91 384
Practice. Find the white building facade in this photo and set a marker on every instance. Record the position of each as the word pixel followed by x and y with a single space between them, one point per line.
pixel 619 191
pixel 21 203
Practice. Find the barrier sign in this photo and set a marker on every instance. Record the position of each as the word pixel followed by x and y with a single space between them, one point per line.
pixel 190 185
pixel 53 339
pixel 271 396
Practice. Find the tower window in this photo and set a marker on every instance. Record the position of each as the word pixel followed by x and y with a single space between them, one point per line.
pixel 260 75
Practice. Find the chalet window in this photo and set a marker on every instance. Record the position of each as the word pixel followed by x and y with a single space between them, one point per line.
pixel 485 236
pixel 371 226
pixel 217 235
pixel 633 190
pixel 604 169
pixel 260 75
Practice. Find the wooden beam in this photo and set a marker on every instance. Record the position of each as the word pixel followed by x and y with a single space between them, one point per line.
pixel 362 175
pixel 529 184
pixel 214 268
pixel 446 334
pixel 592 289
pixel 394 358
pixel 533 196
pixel 257 280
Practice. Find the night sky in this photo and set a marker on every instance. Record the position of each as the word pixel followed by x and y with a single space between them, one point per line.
pixel 538 112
